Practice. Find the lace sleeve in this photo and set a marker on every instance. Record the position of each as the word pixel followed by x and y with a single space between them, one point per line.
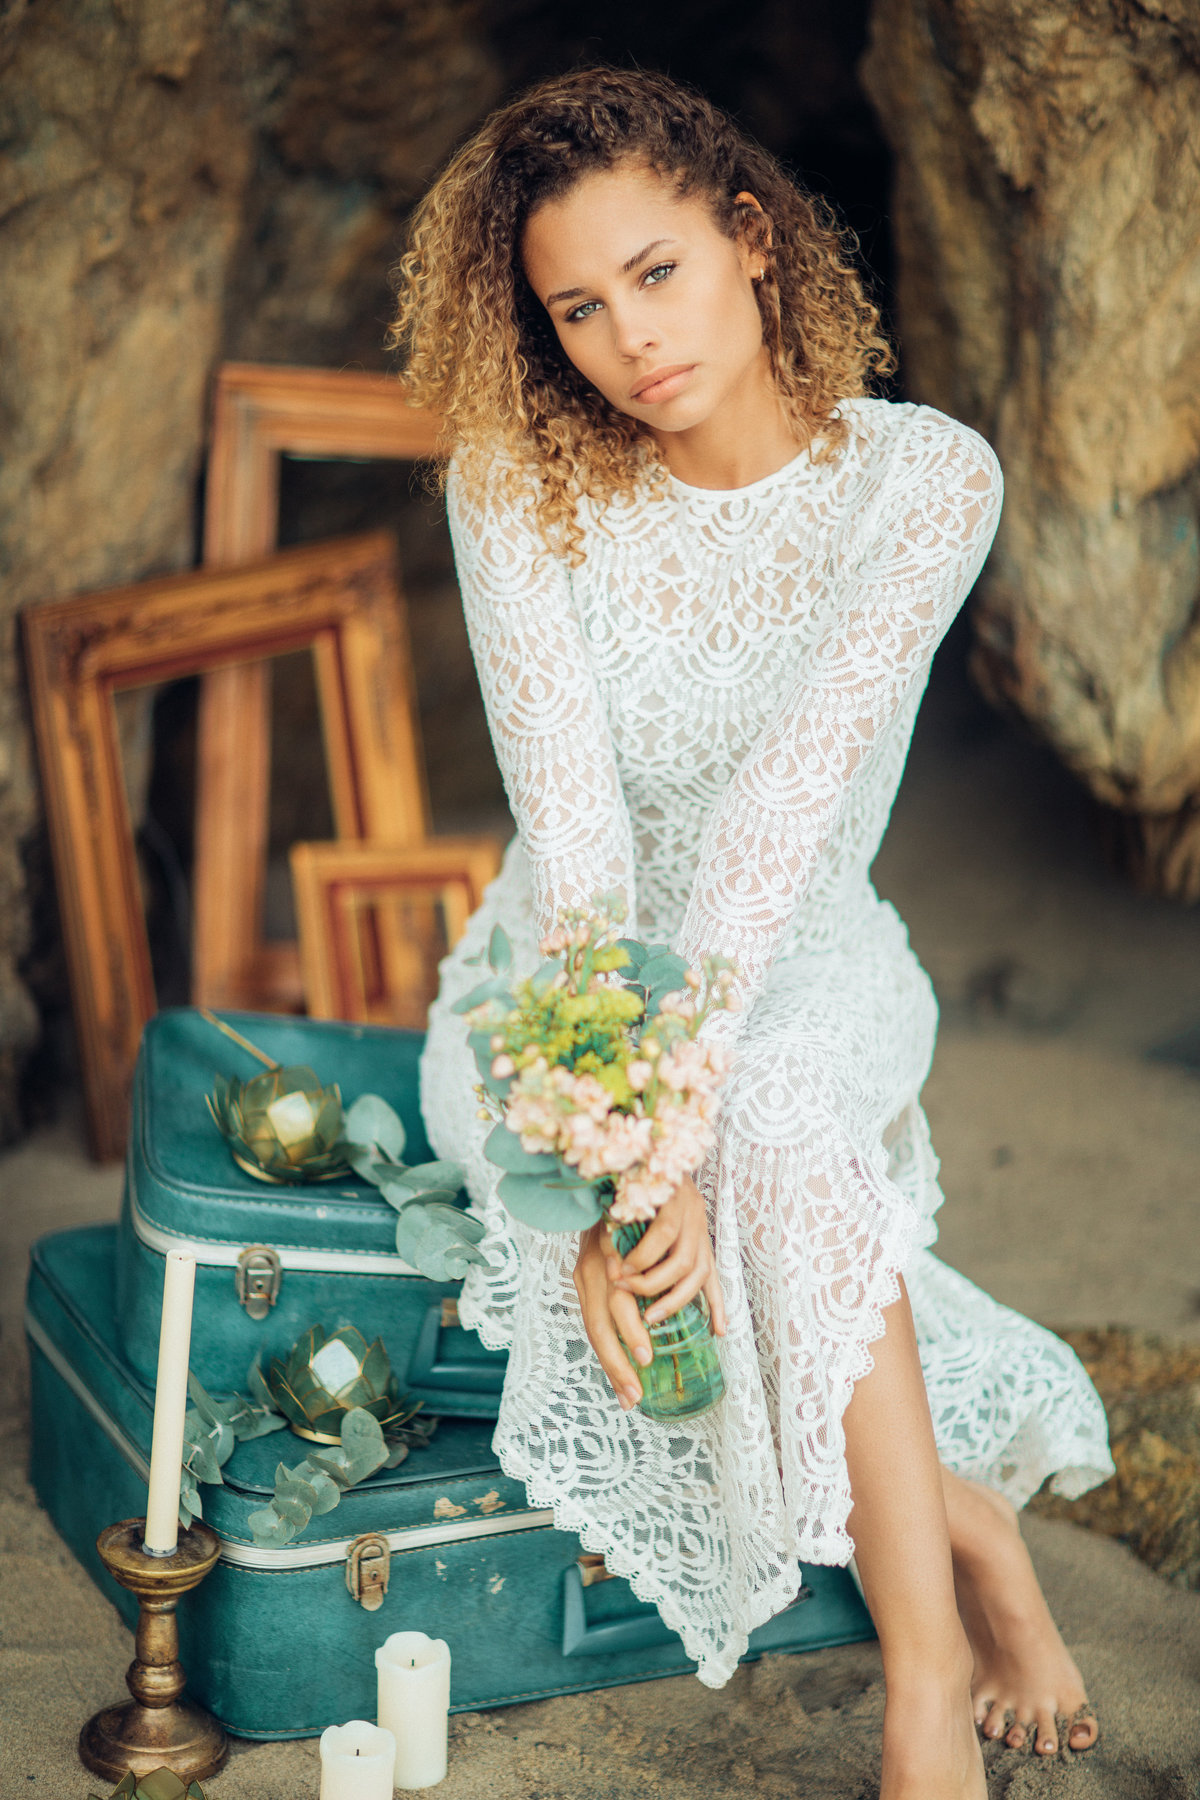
pixel 934 525
pixel 548 725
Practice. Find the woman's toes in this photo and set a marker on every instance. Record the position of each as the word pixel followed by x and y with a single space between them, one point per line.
pixel 1046 1742
pixel 996 1721
pixel 1082 1729
pixel 1016 1737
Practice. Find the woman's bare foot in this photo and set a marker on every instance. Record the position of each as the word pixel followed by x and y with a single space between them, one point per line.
pixel 1025 1682
pixel 930 1746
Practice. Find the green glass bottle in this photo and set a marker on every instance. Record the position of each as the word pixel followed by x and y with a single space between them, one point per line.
pixel 684 1379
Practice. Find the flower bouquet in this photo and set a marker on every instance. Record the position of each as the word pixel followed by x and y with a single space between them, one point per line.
pixel 604 1099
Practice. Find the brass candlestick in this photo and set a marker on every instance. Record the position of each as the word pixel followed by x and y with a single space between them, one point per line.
pixel 158 1728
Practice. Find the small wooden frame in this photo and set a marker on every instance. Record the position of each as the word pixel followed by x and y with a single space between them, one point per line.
pixel 338 599
pixel 375 919
pixel 261 412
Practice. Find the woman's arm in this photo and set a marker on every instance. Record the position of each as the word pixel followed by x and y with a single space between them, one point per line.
pixel 938 513
pixel 548 726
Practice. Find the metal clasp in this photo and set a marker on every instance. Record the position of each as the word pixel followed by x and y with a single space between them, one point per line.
pixel 258 1275
pixel 368 1566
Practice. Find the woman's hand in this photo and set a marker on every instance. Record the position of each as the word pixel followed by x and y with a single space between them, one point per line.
pixel 674 1262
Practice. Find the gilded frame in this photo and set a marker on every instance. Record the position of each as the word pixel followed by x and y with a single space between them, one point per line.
pixel 260 413
pixel 340 600
pixel 357 958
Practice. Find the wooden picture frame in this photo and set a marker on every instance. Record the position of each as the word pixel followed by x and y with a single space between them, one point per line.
pixel 340 600
pixel 361 958
pixel 262 412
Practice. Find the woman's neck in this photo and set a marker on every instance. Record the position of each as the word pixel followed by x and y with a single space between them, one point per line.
pixel 747 437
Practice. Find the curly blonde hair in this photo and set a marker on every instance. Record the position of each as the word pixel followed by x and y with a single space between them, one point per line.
pixel 479 348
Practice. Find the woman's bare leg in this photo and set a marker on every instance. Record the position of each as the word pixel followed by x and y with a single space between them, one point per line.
pixel 902 1550
pixel 1024 1679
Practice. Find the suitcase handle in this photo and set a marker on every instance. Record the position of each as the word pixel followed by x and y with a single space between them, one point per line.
pixel 437 1362
pixel 644 1630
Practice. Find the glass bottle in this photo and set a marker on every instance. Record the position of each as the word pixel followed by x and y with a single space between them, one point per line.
pixel 684 1378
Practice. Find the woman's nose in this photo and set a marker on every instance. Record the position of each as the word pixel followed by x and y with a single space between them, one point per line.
pixel 633 333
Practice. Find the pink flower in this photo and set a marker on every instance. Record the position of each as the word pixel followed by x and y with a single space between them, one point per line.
pixel 639 1074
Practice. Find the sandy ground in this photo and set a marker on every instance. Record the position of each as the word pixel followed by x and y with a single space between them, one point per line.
pixel 1071 1161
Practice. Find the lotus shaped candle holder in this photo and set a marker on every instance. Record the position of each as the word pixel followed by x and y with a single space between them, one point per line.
pixel 326 1374
pixel 159 1784
pixel 282 1126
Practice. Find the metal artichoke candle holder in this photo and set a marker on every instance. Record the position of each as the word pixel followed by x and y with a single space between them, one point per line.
pixel 281 1126
pixel 160 1784
pixel 327 1374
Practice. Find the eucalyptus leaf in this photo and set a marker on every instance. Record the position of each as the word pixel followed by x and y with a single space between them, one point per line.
pixel 372 1122
pixel 533 1201
pixel 542 978
pixel 496 988
pixel 499 950
pixel 666 972
pixel 422 1178
pixel 503 1147
pixel 636 952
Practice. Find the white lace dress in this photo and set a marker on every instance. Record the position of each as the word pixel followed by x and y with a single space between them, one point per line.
pixel 712 715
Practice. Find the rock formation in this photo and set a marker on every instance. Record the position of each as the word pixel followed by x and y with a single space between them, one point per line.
pixel 1047 199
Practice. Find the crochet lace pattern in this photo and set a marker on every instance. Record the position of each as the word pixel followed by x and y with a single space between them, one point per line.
pixel 711 716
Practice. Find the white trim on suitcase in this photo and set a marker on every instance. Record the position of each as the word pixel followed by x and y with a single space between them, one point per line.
pixel 225 1256
pixel 291 1556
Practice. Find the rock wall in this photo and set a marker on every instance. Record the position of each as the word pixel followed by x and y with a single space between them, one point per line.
pixel 1047 193
pixel 188 181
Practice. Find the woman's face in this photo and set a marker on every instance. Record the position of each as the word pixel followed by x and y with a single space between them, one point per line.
pixel 653 304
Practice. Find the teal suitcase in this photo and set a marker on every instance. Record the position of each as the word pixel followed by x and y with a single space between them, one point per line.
pixel 271 1261
pixel 274 1641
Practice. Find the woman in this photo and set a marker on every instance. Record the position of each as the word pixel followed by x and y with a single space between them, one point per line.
pixel 704 577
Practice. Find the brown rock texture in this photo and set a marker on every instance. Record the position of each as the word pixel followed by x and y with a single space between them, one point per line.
pixel 1046 200
pixel 181 182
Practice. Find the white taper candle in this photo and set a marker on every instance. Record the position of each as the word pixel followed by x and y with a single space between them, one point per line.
pixel 356 1762
pixel 170 1403
pixel 414 1700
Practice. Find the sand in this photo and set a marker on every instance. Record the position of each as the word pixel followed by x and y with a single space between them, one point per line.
pixel 1071 1158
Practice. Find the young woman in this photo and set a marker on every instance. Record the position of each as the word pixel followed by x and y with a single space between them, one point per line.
pixel 704 577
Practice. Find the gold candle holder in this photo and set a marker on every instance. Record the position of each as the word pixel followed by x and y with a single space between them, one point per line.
pixel 158 1728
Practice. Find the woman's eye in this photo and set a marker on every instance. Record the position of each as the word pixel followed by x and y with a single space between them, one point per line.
pixel 658 274
pixel 582 312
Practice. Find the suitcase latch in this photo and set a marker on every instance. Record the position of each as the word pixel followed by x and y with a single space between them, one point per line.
pixel 368 1565
pixel 258 1275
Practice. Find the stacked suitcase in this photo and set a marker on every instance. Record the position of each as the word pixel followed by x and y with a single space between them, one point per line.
pixel 280 1643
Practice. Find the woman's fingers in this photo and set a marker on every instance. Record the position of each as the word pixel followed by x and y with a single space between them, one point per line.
pixel 716 1303
pixel 679 1295
pixel 661 1234
pixel 604 1314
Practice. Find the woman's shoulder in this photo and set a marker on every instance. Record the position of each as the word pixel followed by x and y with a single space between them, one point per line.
pixel 900 445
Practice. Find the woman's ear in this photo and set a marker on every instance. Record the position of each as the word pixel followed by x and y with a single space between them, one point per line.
pixel 755 235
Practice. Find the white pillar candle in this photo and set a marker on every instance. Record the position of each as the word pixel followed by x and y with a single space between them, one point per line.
pixel 414 1701
pixel 356 1762
pixel 170 1403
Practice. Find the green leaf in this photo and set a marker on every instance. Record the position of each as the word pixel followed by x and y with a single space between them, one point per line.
pixel 542 977
pixel 499 950
pixel 257 1383
pixel 665 973
pixel 269 1529
pixel 423 1178
pixel 503 1147
pixel 497 988
pixel 373 1123
pixel 533 1201
pixel 637 953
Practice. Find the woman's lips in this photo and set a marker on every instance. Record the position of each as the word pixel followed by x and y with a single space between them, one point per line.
pixel 663 386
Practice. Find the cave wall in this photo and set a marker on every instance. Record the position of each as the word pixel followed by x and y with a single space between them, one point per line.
pixel 189 181
pixel 1046 208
